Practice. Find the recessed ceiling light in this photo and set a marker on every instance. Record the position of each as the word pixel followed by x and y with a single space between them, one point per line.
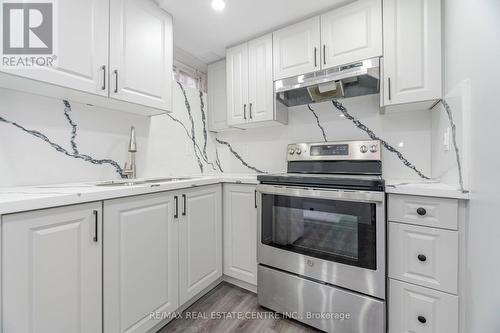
pixel 218 5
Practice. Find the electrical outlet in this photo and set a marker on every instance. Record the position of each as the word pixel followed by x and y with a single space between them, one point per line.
pixel 446 139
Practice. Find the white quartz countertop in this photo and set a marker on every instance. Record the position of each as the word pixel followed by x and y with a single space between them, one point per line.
pixel 25 198
pixel 428 189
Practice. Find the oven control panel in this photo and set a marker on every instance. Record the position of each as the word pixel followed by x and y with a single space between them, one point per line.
pixel 344 150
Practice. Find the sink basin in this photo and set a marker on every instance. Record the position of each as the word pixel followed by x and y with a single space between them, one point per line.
pixel 119 183
pixel 164 180
pixel 132 182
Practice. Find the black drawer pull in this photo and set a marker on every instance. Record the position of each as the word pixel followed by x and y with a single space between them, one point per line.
pixel 422 319
pixel 184 208
pixel 176 212
pixel 421 211
pixel 96 226
pixel 422 257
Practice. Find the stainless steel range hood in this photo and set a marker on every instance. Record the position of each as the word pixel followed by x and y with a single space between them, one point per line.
pixel 355 79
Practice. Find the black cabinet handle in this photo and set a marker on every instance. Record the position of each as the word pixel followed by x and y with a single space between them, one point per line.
pixel 176 212
pixel 96 225
pixel 422 257
pixel 421 211
pixel 184 208
pixel 250 110
pixel 245 111
pixel 255 198
pixel 103 77
pixel 116 81
pixel 389 86
pixel 315 57
pixel 422 319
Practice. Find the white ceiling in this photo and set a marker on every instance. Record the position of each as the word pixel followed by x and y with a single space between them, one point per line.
pixel 205 33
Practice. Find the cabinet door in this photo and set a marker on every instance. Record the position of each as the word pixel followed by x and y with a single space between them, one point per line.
pixel 51 279
pixel 260 79
pixel 240 233
pixel 412 51
pixel 421 310
pixel 141 53
pixel 237 84
pixel 80 45
pixel 296 49
pixel 351 33
pixel 200 245
pixel 217 97
pixel 140 261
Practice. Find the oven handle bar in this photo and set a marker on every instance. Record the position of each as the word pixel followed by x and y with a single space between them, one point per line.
pixel 331 194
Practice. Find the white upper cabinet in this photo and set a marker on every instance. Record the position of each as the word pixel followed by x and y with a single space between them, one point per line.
pixel 260 79
pixel 52 270
pixel 141 53
pixel 217 97
pixel 344 35
pixel 81 47
pixel 250 91
pixel 412 51
pixel 115 54
pixel 351 33
pixel 237 84
pixel 296 49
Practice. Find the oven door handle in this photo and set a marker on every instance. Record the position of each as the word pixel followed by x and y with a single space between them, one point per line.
pixel 328 194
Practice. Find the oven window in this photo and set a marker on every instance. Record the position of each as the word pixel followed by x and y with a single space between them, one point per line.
pixel 334 230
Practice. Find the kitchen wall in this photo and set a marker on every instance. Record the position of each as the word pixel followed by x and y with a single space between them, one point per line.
pixel 409 132
pixel 29 160
pixel 165 142
pixel 451 147
pixel 171 147
pixel 472 50
pixel 164 146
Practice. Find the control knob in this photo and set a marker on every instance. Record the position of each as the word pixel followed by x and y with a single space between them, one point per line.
pixel 298 151
pixel 291 151
pixel 363 149
pixel 373 148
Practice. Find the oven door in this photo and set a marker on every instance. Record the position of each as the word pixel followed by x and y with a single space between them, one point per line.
pixel 333 236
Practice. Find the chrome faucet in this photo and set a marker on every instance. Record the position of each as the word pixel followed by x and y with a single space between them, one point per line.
pixel 130 169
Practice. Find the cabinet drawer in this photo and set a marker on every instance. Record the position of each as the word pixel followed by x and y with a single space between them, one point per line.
pixel 424 256
pixel 420 310
pixel 427 211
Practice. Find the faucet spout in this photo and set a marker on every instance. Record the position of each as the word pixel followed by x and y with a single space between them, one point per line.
pixel 132 146
pixel 130 169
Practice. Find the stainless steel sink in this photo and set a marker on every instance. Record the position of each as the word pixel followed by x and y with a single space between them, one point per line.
pixel 164 180
pixel 119 183
pixel 132 182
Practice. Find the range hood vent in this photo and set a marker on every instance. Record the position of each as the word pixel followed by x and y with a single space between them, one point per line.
pixel 356 79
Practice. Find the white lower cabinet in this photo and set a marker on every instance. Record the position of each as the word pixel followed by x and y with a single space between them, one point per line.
pixel 424 257
pixel 421 310
pixel 140 261
pixel 52 270
pixel 160 251
pixel 240 232
pixel 200 239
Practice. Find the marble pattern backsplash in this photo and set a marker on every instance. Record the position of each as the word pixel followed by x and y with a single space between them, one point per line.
pixel 180 143
pixel 74 153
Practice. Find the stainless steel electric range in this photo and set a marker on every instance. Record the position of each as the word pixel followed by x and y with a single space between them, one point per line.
pixel 322 237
